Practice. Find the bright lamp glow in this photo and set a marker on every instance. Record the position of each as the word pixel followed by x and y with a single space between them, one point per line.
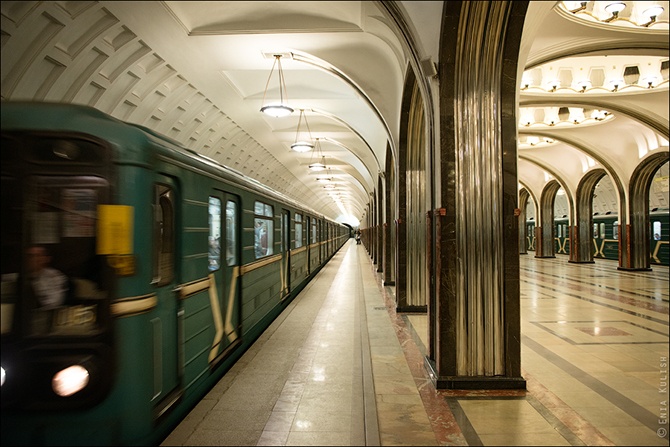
pixel 302 146
pixel 653 11
pixel 2 376
pixel 317 166
pixel 70 380
pixel 584 84
pixel 615 7
pixel 277 110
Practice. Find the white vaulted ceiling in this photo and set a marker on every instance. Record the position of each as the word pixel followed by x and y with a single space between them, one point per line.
pixel 197 71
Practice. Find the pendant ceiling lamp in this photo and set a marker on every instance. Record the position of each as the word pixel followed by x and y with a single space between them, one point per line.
pixel 319 165
pixel 302 145
pixel 274 109
pixel 324 178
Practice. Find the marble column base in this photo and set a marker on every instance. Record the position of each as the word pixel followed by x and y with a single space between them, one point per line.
pixel 472 382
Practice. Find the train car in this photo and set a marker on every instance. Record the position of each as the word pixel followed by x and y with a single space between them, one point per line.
pixel 606 236
pixel 135 272
pixel 561 236
pixel 659 236
pixel 530 234
pixel 605 232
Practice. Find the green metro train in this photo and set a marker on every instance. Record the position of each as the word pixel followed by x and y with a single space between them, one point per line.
pixel 606 236
pixel 135 272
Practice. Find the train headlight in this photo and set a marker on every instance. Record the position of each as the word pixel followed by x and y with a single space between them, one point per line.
pixel 70 380
pixel 2 376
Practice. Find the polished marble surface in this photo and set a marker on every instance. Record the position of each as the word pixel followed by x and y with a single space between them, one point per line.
pixel 341 367
pixel 594 355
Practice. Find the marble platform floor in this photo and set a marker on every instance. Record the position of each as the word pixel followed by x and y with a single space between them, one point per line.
pixel 594 353
pixel 341 367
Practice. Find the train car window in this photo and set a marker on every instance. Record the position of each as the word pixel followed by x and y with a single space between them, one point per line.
pixel 313 231
pixel 560 231
pixel 65 280
pixel 615 230
pixel 231 232
pixel 263 229
pixel 595 230
pixel 565 230
pixel 656 229
pixel 163 268
pixel 603 235
pixel 298 230
pixel 214 238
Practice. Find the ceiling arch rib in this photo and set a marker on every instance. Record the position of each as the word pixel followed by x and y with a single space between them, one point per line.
pixel 564 172
pixel 358 135
pixel 597 147
pixel 651 117
pixel 333 70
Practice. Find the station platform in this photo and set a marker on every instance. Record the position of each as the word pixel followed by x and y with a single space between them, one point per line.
pixel 340 367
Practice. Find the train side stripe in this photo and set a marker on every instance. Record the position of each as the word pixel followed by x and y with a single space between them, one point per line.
pixel 126 307
pixel 194 287
pixel 230 329
pixel 258 264
pixel 298 250
pixel 216 314
pixel 658 247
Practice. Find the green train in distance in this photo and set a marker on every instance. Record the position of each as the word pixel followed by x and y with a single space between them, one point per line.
pixel 606 236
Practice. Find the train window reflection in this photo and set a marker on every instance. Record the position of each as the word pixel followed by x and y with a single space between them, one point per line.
pixel 163 235
pixel 298 230
pixel 263 230
pixel 64 279
pixel 214 238
pixel 231 231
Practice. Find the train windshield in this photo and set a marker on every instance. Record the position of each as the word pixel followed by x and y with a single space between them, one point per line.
pixel 53 282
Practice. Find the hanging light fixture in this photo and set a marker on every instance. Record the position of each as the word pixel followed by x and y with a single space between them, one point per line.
pixel 302 145
pixel 318 165
pixel 281 109
pixel 324 178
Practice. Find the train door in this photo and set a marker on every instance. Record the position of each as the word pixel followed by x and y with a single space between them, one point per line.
pixel 530 235
pixel 313 245
pixel 322 247
pixel 224 269
pixel 164 327
pixel 599 239
pixel 286 254
pixel 308 241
